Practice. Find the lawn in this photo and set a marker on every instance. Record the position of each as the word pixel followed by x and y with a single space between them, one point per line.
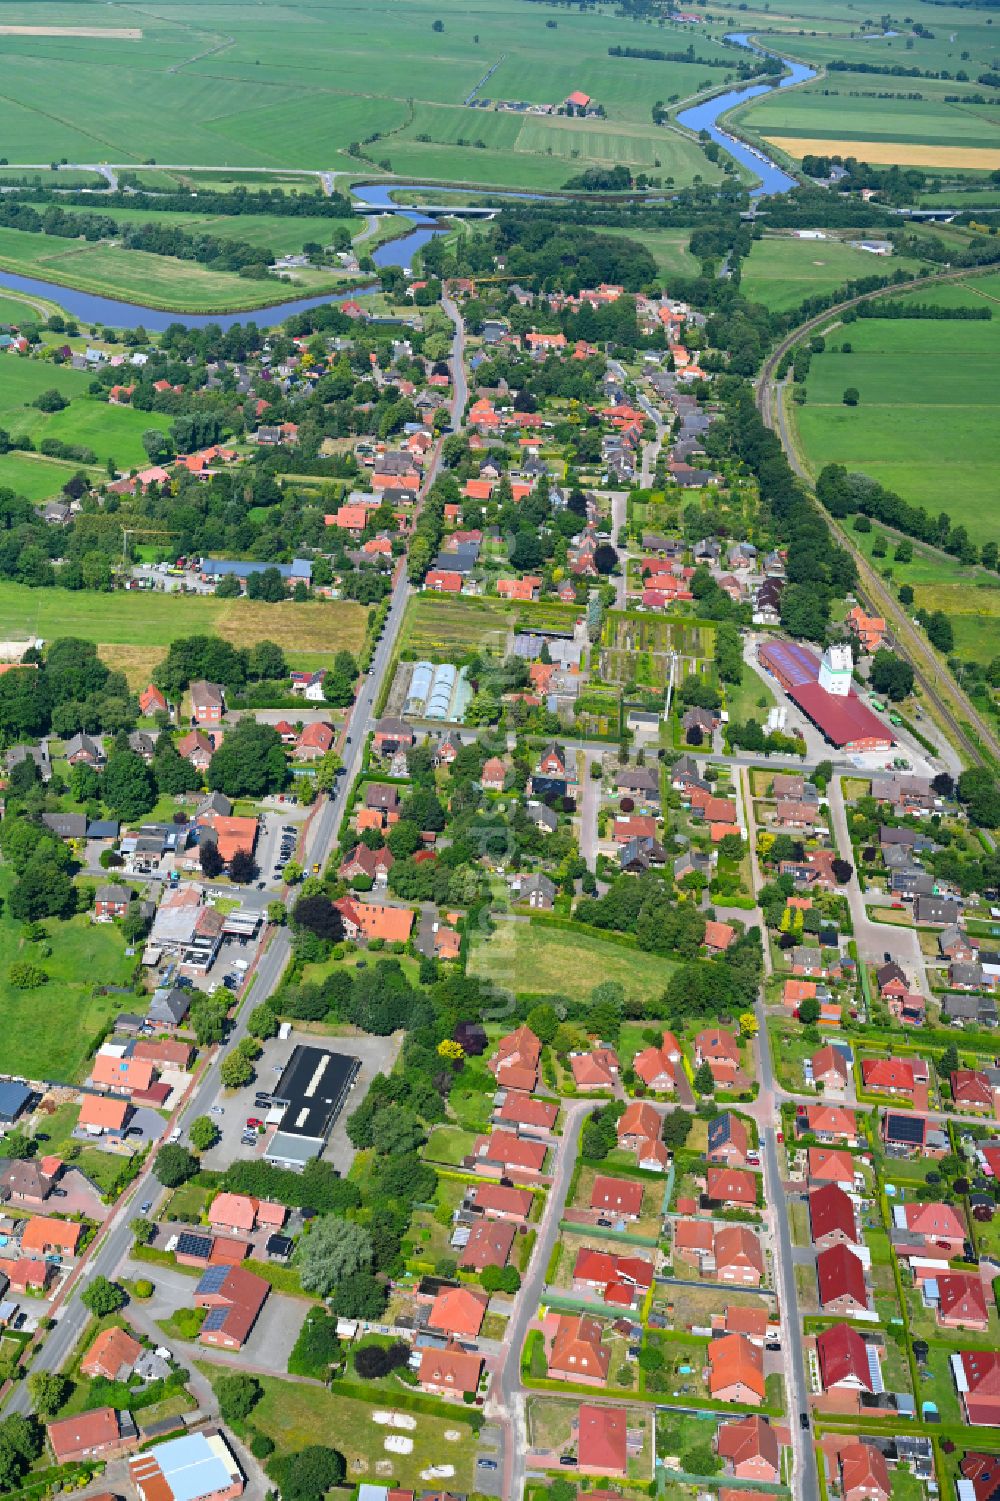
pixel 668 247
pixel 154 619
pixel 449 1145
pixel 49 1032
pixel 530 958
pixel 297 1415
pixel 782 272
pixel 925 387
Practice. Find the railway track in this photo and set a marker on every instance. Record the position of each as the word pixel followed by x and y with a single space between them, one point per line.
pixel 933 676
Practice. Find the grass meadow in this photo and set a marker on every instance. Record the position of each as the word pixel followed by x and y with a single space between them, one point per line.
pixel 535 959
pixel 926 424
pixel 112 432
pixel 148 620
pixel 782 272
pixel 48 1033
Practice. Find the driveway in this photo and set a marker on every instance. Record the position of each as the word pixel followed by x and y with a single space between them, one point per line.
pixel 271 1339
pixel 377 1055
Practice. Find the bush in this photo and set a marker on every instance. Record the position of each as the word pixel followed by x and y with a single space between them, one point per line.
pixel 143 1288
pixel 261 1445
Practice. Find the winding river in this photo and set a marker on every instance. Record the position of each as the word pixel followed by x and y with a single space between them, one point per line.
pixel 706 115
pixel 90 309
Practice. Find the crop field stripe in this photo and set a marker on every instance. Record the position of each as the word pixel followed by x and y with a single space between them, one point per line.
pixel 889 153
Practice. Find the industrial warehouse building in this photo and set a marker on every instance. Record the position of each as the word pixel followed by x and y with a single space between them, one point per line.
pixel 311 1092
pixel 839 715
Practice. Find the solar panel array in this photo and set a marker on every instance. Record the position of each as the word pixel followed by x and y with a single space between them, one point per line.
pixel 189 1244
pixel 212 1279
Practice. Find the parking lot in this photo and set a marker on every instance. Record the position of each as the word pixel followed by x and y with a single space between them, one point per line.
pixel 376 1054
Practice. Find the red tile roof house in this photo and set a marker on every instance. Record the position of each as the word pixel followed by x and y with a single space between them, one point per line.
pixel 977 1377
pixel 971 1089
pixel 830 1165
pixel 597 1069
pixel 314 741
pixel 495 1202
pixel 493 774
pixel 523 1110
pixel 639 1132
pixel 694 1244
pixel 602 1439
pixel 489 1244
pixel 514 1065
pixel 729 1185
pixel 458 1311
pixel 233 1302
pixel 720 1050
pixel 618 1196
pixel 452 1372
pixel 829 1068
pixel 728 1141
pixel 736 1371
pixel 962 1301
pixel 864 1474
pixel 504 1154
pixel 718 936
pixel 939 1224
pixel 152 701
pixel 112 1355
pixel 832 1220
pixel 27 1276
pixel 895 1076
pixel 843 1359
pixel 831 1123
pixel 238 1214
pixel 443 581
pixel 362 861
pixel 89 1435
pixel 841 1279
pixel 739 1258
pixel 577 1353
pixel 621 1279
pixel 657 1067
pixel 750 1449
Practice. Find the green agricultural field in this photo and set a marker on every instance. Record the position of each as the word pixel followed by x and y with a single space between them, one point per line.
pixel 442 628
pixel 534 958
pixel 282 87
pixel 928 390
pixel 782 272
pixel 35 477
pixel 112 432
pixel 137 276
pixel 13 310
pixel 273 232
pixel 49 1032
pixel 148 619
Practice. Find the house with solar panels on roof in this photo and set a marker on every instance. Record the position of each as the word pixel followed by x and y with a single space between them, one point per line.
pixel 823 690
pixel 233 1298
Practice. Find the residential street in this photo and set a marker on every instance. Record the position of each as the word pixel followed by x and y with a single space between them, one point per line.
pixel 113 1242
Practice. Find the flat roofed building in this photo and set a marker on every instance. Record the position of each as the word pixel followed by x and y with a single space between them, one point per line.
pixel 314 1087
pixel 195 1467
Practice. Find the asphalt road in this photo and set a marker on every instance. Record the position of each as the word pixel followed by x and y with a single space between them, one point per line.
pixel 807 1481
pixel 114 1241
pixel 508 1394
